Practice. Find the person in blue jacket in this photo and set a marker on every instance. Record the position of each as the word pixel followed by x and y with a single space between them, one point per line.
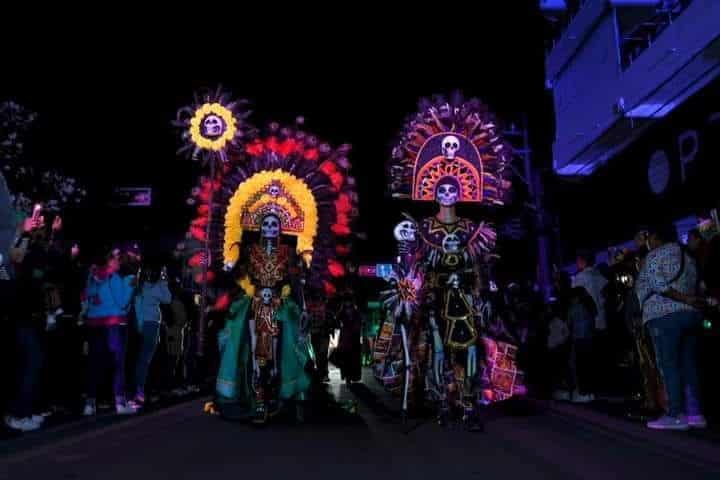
pixel 107 302
pixel 153 291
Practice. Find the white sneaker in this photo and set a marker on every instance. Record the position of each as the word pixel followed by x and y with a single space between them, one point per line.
pixel 21 424
pixel 669 423
pixel 89 410
pixel 39 419
pixel 696 421
pixel 578 398
pixel 124 409
pixel 561 395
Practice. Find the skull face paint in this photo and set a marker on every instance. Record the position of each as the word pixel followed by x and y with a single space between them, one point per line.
pixel 450 146
pixel 266 295
pixel 451 243
pixel 405 231
pixel 270 227
pixel 447 192
pixel 213 126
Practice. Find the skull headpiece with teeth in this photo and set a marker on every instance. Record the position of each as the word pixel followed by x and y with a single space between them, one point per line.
pixel 450 146
pixel 270 227
pixel 213 126
pixel 447 192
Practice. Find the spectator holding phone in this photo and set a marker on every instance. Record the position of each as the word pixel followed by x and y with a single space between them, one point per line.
pixel 25 305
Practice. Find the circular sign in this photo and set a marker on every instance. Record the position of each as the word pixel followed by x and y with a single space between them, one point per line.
pixel 659 172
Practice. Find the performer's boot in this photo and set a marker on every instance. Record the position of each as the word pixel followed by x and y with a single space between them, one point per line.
pixel 444 412
pixel 473 422
pixel 300 412
pixel 444 416
pixel 260 417
pixel 272 400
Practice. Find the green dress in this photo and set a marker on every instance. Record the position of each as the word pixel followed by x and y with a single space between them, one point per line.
pixel 234 379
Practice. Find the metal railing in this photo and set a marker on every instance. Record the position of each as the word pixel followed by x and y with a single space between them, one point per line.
pixel 639 35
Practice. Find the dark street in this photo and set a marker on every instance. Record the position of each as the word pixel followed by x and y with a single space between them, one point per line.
pixel 182 442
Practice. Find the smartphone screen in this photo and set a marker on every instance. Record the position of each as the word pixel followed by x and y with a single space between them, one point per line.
pixel 37 211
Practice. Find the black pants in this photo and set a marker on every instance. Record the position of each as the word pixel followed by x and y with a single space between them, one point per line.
pixel 559 360
pixel 107 343
pixel 321 345
pixel 584 366
pixel 29 360
pixel 7 341
pixel 604 364
pixel 62 373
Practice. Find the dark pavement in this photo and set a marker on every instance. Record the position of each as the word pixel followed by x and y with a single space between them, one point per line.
pixel 183 443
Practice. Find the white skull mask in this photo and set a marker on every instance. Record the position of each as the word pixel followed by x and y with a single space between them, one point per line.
pixel 451 243
pixel 274 190
pixel 213 126
pixel 266 295
pixel 270 227
pixel 450 146
pixel 405 231
pixel 447 194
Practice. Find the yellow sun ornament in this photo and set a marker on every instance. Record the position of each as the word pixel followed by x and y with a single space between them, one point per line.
pixel 212 143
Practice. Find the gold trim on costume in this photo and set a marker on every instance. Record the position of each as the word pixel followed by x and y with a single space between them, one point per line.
pixel 452 322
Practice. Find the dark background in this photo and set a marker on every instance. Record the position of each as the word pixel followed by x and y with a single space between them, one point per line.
pixel 105 101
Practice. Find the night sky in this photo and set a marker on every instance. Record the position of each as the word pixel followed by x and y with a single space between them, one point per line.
pixel 104 115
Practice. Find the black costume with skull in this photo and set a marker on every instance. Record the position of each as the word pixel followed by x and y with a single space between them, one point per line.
pixel 449 152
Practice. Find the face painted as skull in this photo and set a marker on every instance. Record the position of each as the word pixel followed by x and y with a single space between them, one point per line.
pixel 450 146
pixel 270 227
pixel 447 194
pixel 451 243
pixel 213 126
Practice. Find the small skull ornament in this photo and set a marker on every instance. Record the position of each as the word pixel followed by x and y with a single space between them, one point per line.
pixel 450 146
pixel 270 227
pixel 266 295
pixel 274 190
pixel 213 126
pixel 447 194
pixel 405 231
pixel 451 243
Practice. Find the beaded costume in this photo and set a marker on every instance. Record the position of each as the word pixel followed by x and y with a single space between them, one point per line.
pixel 450 152
pixel 276 220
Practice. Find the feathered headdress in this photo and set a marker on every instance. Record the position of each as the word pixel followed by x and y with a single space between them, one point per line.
pixel 454 139
pixel 292 175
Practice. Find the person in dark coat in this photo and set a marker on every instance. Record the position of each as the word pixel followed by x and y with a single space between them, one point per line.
pixel 7 222
pixel 350 348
